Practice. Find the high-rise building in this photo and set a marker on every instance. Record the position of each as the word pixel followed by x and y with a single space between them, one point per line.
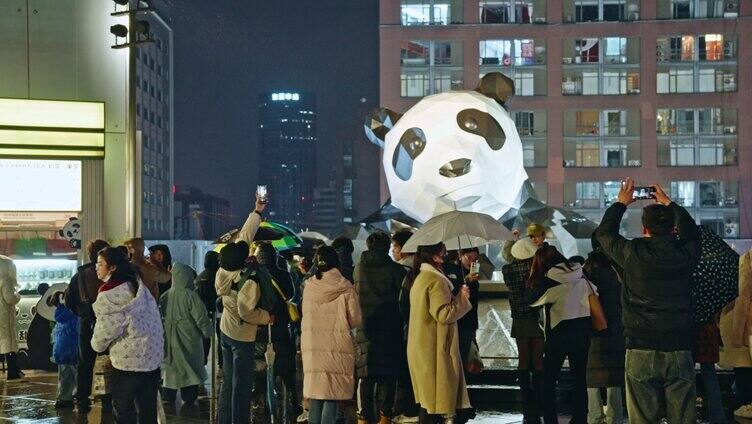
pixel 154 111
pixel 327 210
pixel 287 132
pixel 198 215
pixel 605 89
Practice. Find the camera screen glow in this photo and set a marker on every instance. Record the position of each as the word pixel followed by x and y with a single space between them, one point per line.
pixel 40 185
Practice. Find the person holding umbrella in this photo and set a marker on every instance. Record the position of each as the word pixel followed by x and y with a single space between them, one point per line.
pixel 433 351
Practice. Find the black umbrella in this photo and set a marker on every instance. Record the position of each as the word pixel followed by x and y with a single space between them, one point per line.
pixel 716 277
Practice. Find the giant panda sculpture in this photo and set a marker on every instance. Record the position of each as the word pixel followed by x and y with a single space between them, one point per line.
pixel 458 150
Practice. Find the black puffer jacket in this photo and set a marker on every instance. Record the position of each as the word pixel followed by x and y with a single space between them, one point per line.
pixel 656 298
pixel 204 284
pixel 381 349
pixel 605 366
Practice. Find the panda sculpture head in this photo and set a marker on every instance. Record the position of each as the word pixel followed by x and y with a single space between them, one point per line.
pixel 458 150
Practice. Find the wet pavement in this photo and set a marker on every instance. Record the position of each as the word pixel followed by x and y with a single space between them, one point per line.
pixel 32 400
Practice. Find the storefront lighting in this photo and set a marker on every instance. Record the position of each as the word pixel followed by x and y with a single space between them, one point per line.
pixel 51 114
pixel 51 138
pixel 16 152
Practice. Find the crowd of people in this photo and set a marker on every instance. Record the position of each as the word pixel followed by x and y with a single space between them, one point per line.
pixel 396 331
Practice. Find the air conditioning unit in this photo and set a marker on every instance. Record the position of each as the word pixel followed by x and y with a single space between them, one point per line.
pixel 540 20
pixel 633 16
pixel 728 49
pixel 731 9
pixel 731 129
pixel 569 19
pixel 731 230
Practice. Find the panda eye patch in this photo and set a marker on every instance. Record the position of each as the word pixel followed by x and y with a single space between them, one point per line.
pixel 483 124
pixel 411 144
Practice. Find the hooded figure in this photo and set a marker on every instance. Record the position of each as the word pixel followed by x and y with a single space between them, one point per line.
pixel 330 311
pixel 186 324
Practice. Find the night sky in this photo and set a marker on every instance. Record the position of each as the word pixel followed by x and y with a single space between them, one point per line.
pixel 229 51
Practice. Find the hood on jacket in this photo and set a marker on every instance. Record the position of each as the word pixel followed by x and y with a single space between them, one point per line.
pixel 331 285
pixel 524 249
pixel 211 261
pixel 373 258
pixel 183 276
pixel 106 305
pixel 565 275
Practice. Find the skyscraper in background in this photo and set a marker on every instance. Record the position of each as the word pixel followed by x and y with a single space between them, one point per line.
pixel 154 111
pixel 605 89
pixel 287 155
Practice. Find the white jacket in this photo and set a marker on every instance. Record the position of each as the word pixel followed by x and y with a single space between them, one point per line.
pixel 240 317
pixel 569 300
pixel 130 326
pixel 9 297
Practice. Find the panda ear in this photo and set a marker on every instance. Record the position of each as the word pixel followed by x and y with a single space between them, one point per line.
pixel 378 123
pixel 496 86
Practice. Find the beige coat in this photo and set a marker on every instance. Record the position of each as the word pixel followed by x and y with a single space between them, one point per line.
pixel 736 321
pixel 330 310
pixel 9 297
pixel 433 351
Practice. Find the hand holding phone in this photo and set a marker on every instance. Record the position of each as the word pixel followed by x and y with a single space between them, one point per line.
pixel 475 268
pixel 261 194
pixel 643 193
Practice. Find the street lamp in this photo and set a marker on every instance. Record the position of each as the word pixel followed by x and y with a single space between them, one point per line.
pixel 135 34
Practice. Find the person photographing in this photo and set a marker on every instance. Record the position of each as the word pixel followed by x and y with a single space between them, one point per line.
pixel 657 304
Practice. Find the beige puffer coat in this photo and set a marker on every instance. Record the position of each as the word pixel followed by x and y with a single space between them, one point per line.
pixel 736 321
pixel 330 310
pixel 433 350
pixel 9 297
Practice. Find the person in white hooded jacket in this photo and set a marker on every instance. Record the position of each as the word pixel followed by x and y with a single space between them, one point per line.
pixel 130 328
pixel 558 285
pixel 240 319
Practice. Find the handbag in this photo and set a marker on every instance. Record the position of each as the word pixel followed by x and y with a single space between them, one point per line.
pixel 292 308
pixel 474 362
pixel 597 316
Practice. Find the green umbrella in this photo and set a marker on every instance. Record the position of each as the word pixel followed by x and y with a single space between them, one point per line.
pixel 280 236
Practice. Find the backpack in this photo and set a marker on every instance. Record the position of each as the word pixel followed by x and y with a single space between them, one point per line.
pixel 260 276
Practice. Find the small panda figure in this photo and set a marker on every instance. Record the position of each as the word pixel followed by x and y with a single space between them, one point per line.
pixel 458 150
pixel 72 232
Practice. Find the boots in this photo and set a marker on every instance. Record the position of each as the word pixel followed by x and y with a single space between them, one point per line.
pixel 384 420
pixel 14 373
pixel 537 394
pixel 362 421
pixel 529 398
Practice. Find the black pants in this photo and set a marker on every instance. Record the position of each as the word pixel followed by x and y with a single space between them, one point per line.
pixel 368 390
pixel 134 396
pixel 86 358
pixel 188 394
pixel 568 340
pixel 743 382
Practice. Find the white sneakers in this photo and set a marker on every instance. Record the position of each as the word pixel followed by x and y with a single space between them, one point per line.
pixel 401 419
pixel 303 417
pixel 744 411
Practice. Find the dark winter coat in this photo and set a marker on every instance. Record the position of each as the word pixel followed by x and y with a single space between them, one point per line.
pixel 657 293
pixel 345 263
pixel 204 284
pixel 65 337
pixel 381 348
pixel 605 366
pixel 82 291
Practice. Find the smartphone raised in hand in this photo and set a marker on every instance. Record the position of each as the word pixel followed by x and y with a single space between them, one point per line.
pixel 643 193
pixel 261 194
pixel 475 267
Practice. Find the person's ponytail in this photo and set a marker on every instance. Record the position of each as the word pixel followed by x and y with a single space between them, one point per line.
pixel 326 259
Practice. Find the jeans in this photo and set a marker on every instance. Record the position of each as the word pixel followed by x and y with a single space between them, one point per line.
pixel 570 339
pixel 660 385
pixel 614 408
pixel 86 358
pixel 237 381
pixel 134 396
pixel 322 411
pixel 66 381
pixel 712 393
pixel 743 386
pixel 368 388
